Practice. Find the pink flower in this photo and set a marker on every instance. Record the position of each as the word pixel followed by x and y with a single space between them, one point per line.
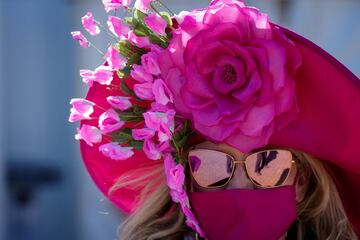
pixel 191 221
pixel 161 92
pixel 161 122
pixel 117 27
pixel 149 62
pixel 78 36
pixel 143 5
pixel 141 42
pixel 114 151
pixel 109 121
pixel 81 109
pixel 175 176
pixel 156 23
pixel 142 133
pixel 119 102
pixel 151 150
pixel 89 134
pixel 165 147
pixel 179 196
pixel 90 24
pixel 87 77
pixel 230 73
pixel 114 59
pixel 115 4
pixel 144 91
pixel 103 75
pixel 139 74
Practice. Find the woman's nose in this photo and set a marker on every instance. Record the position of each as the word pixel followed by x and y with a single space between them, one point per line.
pixel 240 179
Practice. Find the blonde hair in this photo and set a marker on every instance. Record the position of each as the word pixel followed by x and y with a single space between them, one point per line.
pixel 320 212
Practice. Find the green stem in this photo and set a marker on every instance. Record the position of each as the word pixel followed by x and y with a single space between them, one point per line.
pixel 98 50
pixel 162 4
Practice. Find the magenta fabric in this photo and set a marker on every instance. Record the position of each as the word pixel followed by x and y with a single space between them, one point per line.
pixel 328 127
pixel 245 213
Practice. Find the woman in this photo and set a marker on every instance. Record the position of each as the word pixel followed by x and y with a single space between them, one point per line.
pixel 255 128
pixel 319 210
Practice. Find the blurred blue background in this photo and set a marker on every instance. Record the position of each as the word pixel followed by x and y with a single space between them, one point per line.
pixel 45 192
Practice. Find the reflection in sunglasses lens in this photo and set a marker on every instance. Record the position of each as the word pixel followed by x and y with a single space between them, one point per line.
pixel 210 168
pixel 269 168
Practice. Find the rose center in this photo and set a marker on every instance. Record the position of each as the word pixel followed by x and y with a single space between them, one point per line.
pixel 229 74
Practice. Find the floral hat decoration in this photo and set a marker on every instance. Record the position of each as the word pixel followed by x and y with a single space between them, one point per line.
pixel 223 72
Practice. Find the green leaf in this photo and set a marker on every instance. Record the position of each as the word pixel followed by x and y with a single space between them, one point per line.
pixel 137 144
pixel 166 16
pixel 121 136
pixel 140 31
pixel 126 89
pixel 177 158
pixel 129 21
pixel 139 15
pixel 125 48
pixel 128 116
pixel 134 59
pixel 138 110
pixel 120 74
pixel 157 40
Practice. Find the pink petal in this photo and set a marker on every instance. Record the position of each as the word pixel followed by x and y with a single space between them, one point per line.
pixel 144 91
pixel 89 134
pixel 139 74
pixel 90 24
pixel 116 152
pixel 87 77
pixel 156 23
pixel 257 118
pixel 151 150
pixel 110 121
pixel 117 27
pixel 119 102
pixel 161 92
pixel 115 4
pixel 81 109
pixel 142 133
pixel 149 62
pixel 114 59
pixel 103 75
pixel 143 5
pixel 141 42
pixel 78 36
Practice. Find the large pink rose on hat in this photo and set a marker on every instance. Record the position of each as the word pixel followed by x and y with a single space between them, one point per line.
pixel 230 72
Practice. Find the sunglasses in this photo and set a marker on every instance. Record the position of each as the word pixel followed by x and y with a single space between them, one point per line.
pixel 266 168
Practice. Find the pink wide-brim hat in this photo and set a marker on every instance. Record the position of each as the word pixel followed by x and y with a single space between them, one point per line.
pixel 327 127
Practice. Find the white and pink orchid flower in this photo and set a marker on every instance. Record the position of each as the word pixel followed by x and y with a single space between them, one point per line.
pixel 78 36
pixel 119 102
pixel 81 109
pixel 117 27
pixel 90 24
pixel 116 152
pixel 89 134
pixel 109 121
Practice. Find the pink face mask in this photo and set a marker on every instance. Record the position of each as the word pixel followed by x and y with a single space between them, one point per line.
pixel 245 213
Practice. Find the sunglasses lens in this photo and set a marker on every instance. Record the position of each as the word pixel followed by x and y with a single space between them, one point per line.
pixel 210 168
pixel 269 168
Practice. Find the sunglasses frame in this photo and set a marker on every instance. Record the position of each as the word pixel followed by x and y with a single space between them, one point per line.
pixel 235 162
